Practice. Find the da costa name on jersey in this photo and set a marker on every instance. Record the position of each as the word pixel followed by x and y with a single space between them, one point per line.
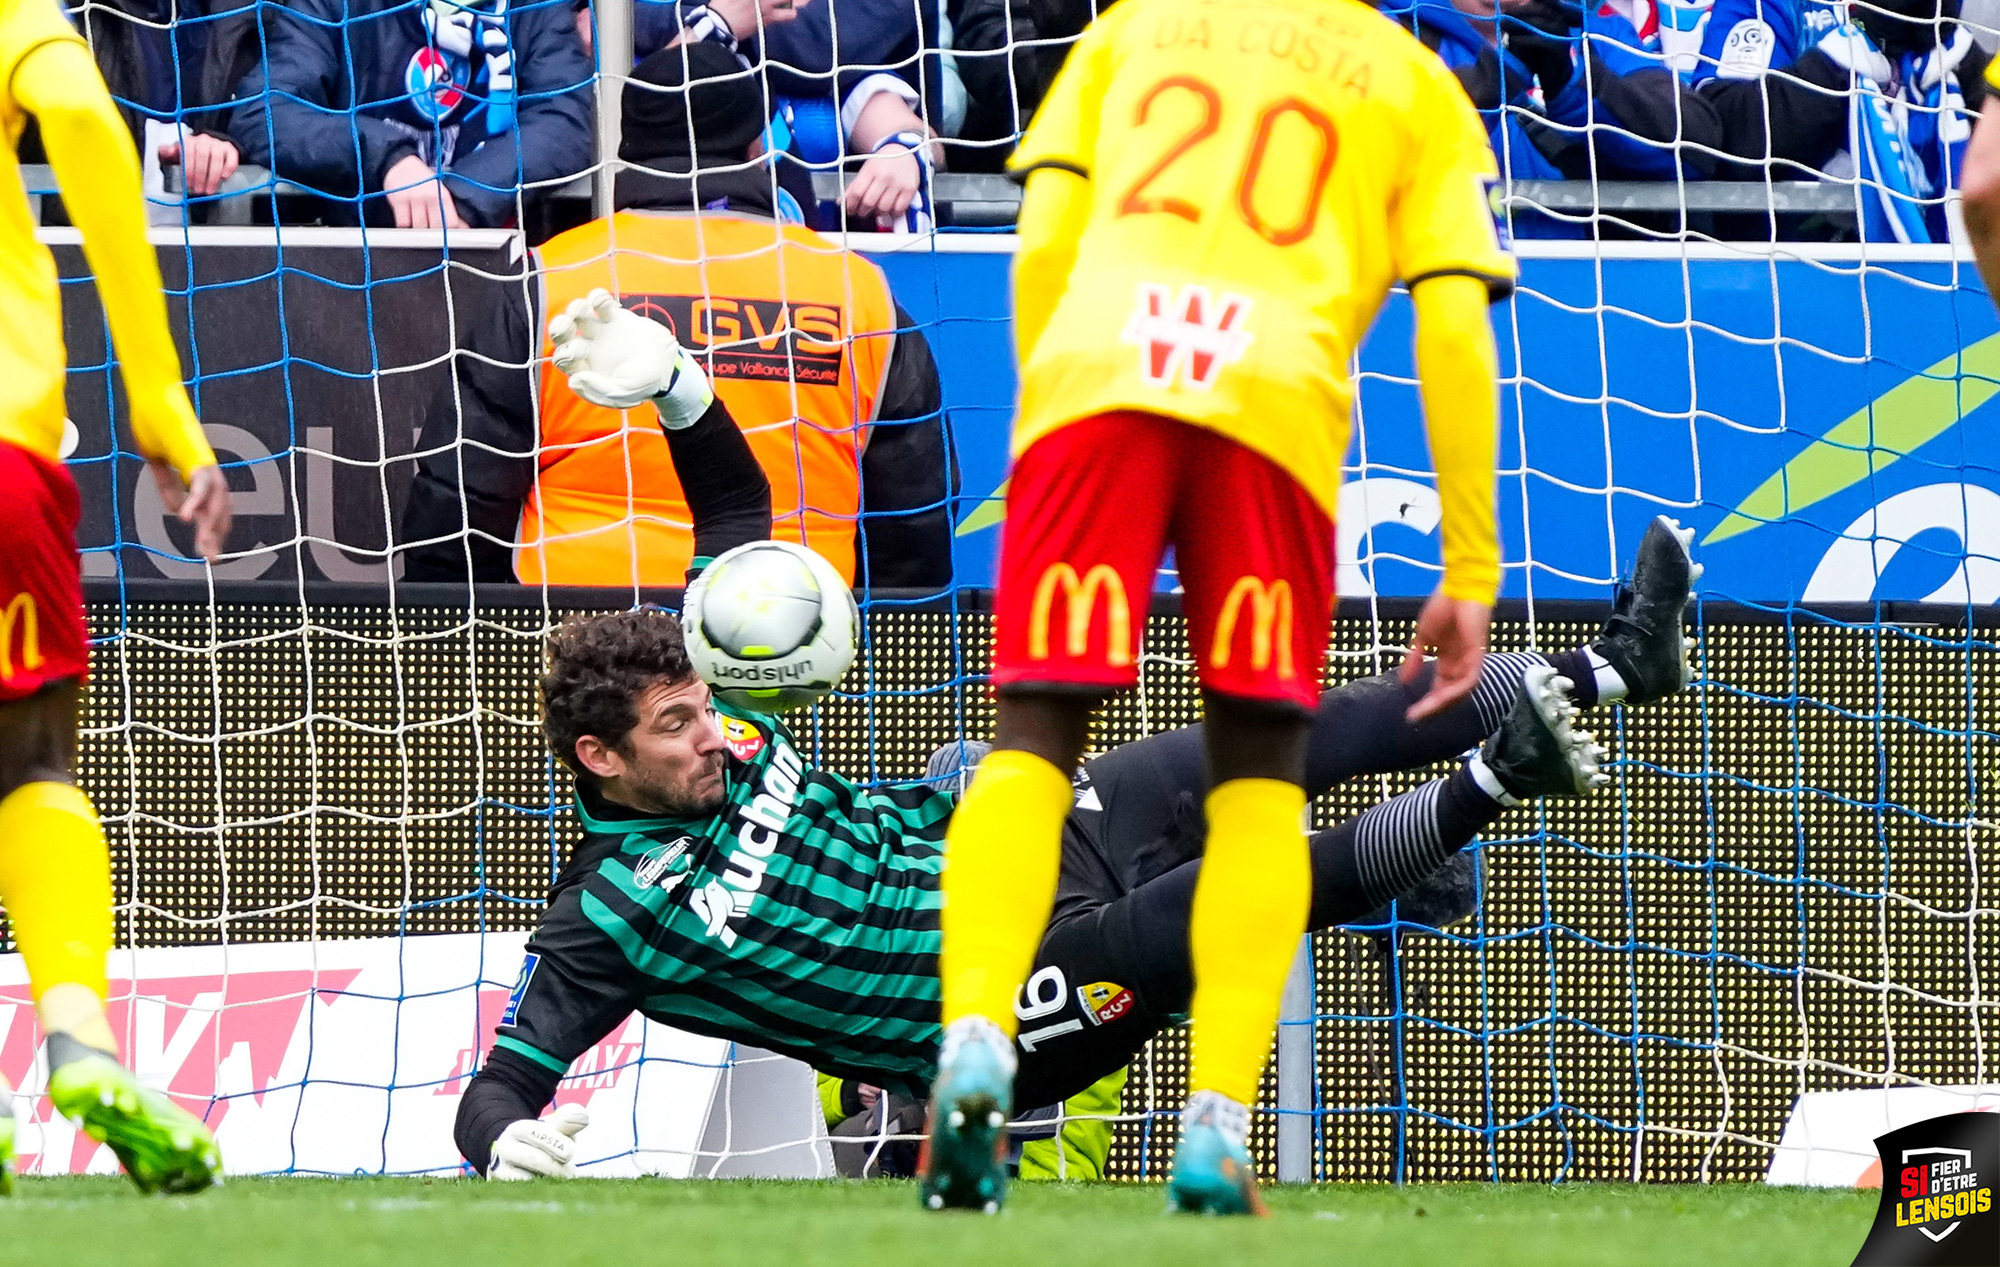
pixel 762 824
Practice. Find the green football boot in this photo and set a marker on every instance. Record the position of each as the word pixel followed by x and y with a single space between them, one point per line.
pixel 162 1146
pixel 1212 1171
pixel 964 1163
pixel 7 1128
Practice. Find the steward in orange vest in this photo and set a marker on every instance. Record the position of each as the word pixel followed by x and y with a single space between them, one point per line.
pixel 827 377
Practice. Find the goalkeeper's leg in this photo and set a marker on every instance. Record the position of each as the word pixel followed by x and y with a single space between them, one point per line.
pixel 55 883
pixel 1131 956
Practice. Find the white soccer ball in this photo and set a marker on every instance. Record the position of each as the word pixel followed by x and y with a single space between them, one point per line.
pixel 770 626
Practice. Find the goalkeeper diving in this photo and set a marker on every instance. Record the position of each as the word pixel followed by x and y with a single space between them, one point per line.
pixel 55 871
pixel 725 886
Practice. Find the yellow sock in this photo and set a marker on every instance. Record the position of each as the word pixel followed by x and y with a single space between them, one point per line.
pixel 1001 859
pixel 55 883
pixel 1249 912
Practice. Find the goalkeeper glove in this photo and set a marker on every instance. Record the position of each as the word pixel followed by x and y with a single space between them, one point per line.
pixel 618 359
pixel 539 1149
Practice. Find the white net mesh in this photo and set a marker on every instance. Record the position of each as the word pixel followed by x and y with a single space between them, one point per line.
pixel 333 817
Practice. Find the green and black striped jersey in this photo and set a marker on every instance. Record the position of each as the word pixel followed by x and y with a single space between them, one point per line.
pixel 802 917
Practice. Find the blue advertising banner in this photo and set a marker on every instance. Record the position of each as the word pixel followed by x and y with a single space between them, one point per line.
pixel 1821 423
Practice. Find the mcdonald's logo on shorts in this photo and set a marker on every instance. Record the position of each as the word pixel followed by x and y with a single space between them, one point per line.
pixel 20 610
pixel 1270 625
pixel 1079 607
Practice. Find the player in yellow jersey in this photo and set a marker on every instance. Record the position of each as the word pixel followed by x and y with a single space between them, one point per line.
pixel 1980 182
pixel 55 872
pixel 1218 197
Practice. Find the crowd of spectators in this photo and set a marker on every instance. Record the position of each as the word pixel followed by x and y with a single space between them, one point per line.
pixel 442 113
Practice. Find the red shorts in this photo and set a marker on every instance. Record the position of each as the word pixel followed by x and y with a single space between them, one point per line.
pixel 42 638
pixel 1090 510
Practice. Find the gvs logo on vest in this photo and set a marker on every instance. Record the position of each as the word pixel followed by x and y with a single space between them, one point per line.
pixel 754 338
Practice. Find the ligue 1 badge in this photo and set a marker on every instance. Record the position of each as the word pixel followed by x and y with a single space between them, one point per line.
pixel 1937 1195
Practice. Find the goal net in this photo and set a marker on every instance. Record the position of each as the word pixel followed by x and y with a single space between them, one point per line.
pixel 333 819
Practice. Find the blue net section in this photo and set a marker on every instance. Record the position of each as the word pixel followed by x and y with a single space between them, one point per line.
pixel 332 812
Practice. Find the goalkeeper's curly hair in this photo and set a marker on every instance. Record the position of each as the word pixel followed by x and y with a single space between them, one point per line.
pixel 598 665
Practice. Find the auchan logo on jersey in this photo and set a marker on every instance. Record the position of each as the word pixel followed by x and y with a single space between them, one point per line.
pixel 729 897
pixel 1187 336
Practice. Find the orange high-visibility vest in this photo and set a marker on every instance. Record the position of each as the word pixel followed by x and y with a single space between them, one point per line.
pixel 796 335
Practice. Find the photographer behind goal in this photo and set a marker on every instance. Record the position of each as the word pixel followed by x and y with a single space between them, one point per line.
pixel 727 887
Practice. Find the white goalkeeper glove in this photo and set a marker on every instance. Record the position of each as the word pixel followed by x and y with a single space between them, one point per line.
pixel 539 1149
pixel 618 359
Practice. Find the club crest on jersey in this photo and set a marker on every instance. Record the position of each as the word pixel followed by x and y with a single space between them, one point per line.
pixel 529 963
pixel 436 82
pixel 1187 336
pixel 1104 1001
pixel 744 739
pixel 666 866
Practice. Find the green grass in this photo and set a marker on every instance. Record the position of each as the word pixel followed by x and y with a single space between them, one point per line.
pixel 458 1223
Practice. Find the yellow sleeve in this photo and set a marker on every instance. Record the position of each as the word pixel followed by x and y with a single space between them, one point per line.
pixel 1081 1149
pixel 1053 164
pixel 829 1100
pixel 1054 210
pixel 92 153
pixel 1443 220
pixel 1458 371
pixel 1993 74
pixel 26 25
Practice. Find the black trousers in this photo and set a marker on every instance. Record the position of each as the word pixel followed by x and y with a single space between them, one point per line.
pixel 1114 968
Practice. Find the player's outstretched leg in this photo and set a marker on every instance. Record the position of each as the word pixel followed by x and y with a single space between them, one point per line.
pixel 162 1146
pixel 55 881
pixel 1538 751
pixel 1643 642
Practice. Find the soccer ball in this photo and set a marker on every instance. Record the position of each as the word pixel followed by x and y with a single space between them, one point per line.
pixel 770 626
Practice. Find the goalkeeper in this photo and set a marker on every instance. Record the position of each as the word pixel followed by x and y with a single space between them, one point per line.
pixel 55 873
pixel 726 887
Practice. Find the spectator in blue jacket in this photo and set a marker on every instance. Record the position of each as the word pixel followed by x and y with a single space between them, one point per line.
pixel 847 78
pixel 1782 75
pixel 432 114
pixel 1569 91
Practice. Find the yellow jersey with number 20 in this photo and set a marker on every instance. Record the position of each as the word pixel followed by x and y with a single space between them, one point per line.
pixel 1260 173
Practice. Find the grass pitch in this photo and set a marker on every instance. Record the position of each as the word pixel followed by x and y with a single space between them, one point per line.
pixel 460 1223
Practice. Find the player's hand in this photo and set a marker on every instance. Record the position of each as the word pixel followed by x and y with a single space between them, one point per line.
pixel 203 501
pixel 747 17
pixel 1455 629
pixel 418 199
pixel 886 185
pixel 205 162
pixel 539 1149
pixel 618 359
